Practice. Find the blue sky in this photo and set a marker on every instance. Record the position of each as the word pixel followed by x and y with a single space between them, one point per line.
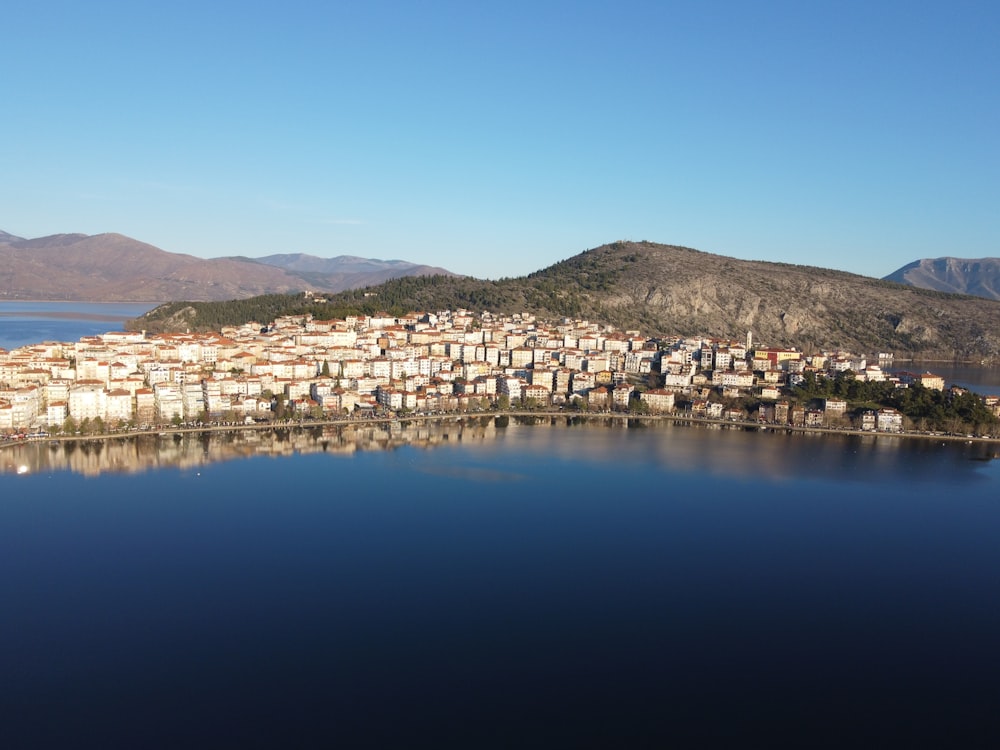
pixel 496 139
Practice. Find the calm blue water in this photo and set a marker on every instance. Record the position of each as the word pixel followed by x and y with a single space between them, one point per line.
pixel 550 587
pixel 983 380
pixel 24 323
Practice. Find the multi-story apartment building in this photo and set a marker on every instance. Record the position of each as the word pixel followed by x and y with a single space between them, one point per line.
pixel 87 400
pixel 658 400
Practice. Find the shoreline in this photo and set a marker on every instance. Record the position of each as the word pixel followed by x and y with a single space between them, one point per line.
pixel 547 413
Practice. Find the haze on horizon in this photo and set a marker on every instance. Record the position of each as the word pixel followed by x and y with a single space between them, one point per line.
pixel 494 141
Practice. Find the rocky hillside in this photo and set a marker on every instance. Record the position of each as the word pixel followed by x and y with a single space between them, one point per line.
pixel 665 290
pixel 115 268
pixel 959 275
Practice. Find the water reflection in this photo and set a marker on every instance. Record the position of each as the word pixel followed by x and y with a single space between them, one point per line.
pixel 675 447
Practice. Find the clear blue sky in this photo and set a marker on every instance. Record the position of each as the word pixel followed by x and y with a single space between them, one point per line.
pixel 495 139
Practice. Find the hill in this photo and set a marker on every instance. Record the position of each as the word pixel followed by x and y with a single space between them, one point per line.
pixel 959 275
pixel 115 268
pixel 664 290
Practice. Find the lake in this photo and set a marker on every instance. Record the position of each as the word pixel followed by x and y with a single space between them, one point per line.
pixel 32 322
pixel 493 583
pixel 982 380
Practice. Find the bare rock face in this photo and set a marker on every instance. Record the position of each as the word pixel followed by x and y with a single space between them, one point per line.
pixel 687 292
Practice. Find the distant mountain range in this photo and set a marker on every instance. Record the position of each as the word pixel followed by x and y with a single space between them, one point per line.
pixel 115 268
pixel 959 275
pixel 664 290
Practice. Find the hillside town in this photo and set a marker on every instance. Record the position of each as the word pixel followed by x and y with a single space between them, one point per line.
pixel 300 367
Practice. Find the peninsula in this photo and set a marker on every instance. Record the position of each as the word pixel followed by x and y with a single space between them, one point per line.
pixel 455 361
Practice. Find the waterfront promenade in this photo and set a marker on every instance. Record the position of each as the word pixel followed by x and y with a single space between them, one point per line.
pixel 747 425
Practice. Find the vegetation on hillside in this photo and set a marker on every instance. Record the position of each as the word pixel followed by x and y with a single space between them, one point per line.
pixel 926 408
pixel 664 290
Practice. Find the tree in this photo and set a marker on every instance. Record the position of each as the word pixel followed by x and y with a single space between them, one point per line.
pixel 279 406
pixel 637 406
pixel 842 383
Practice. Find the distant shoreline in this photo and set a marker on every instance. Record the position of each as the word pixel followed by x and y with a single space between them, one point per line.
pixel 679 418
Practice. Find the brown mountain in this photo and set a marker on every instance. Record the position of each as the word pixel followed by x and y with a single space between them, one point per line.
pixel 979 277
pixel 115 268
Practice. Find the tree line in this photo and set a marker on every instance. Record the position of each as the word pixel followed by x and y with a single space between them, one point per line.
pixel 926 408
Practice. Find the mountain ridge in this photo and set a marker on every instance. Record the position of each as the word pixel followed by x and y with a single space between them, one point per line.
pixel 979 277
pixel 306 263
pixel 112 267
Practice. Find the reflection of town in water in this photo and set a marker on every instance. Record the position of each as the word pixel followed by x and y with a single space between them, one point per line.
pixel 674 446
pixel 185 450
